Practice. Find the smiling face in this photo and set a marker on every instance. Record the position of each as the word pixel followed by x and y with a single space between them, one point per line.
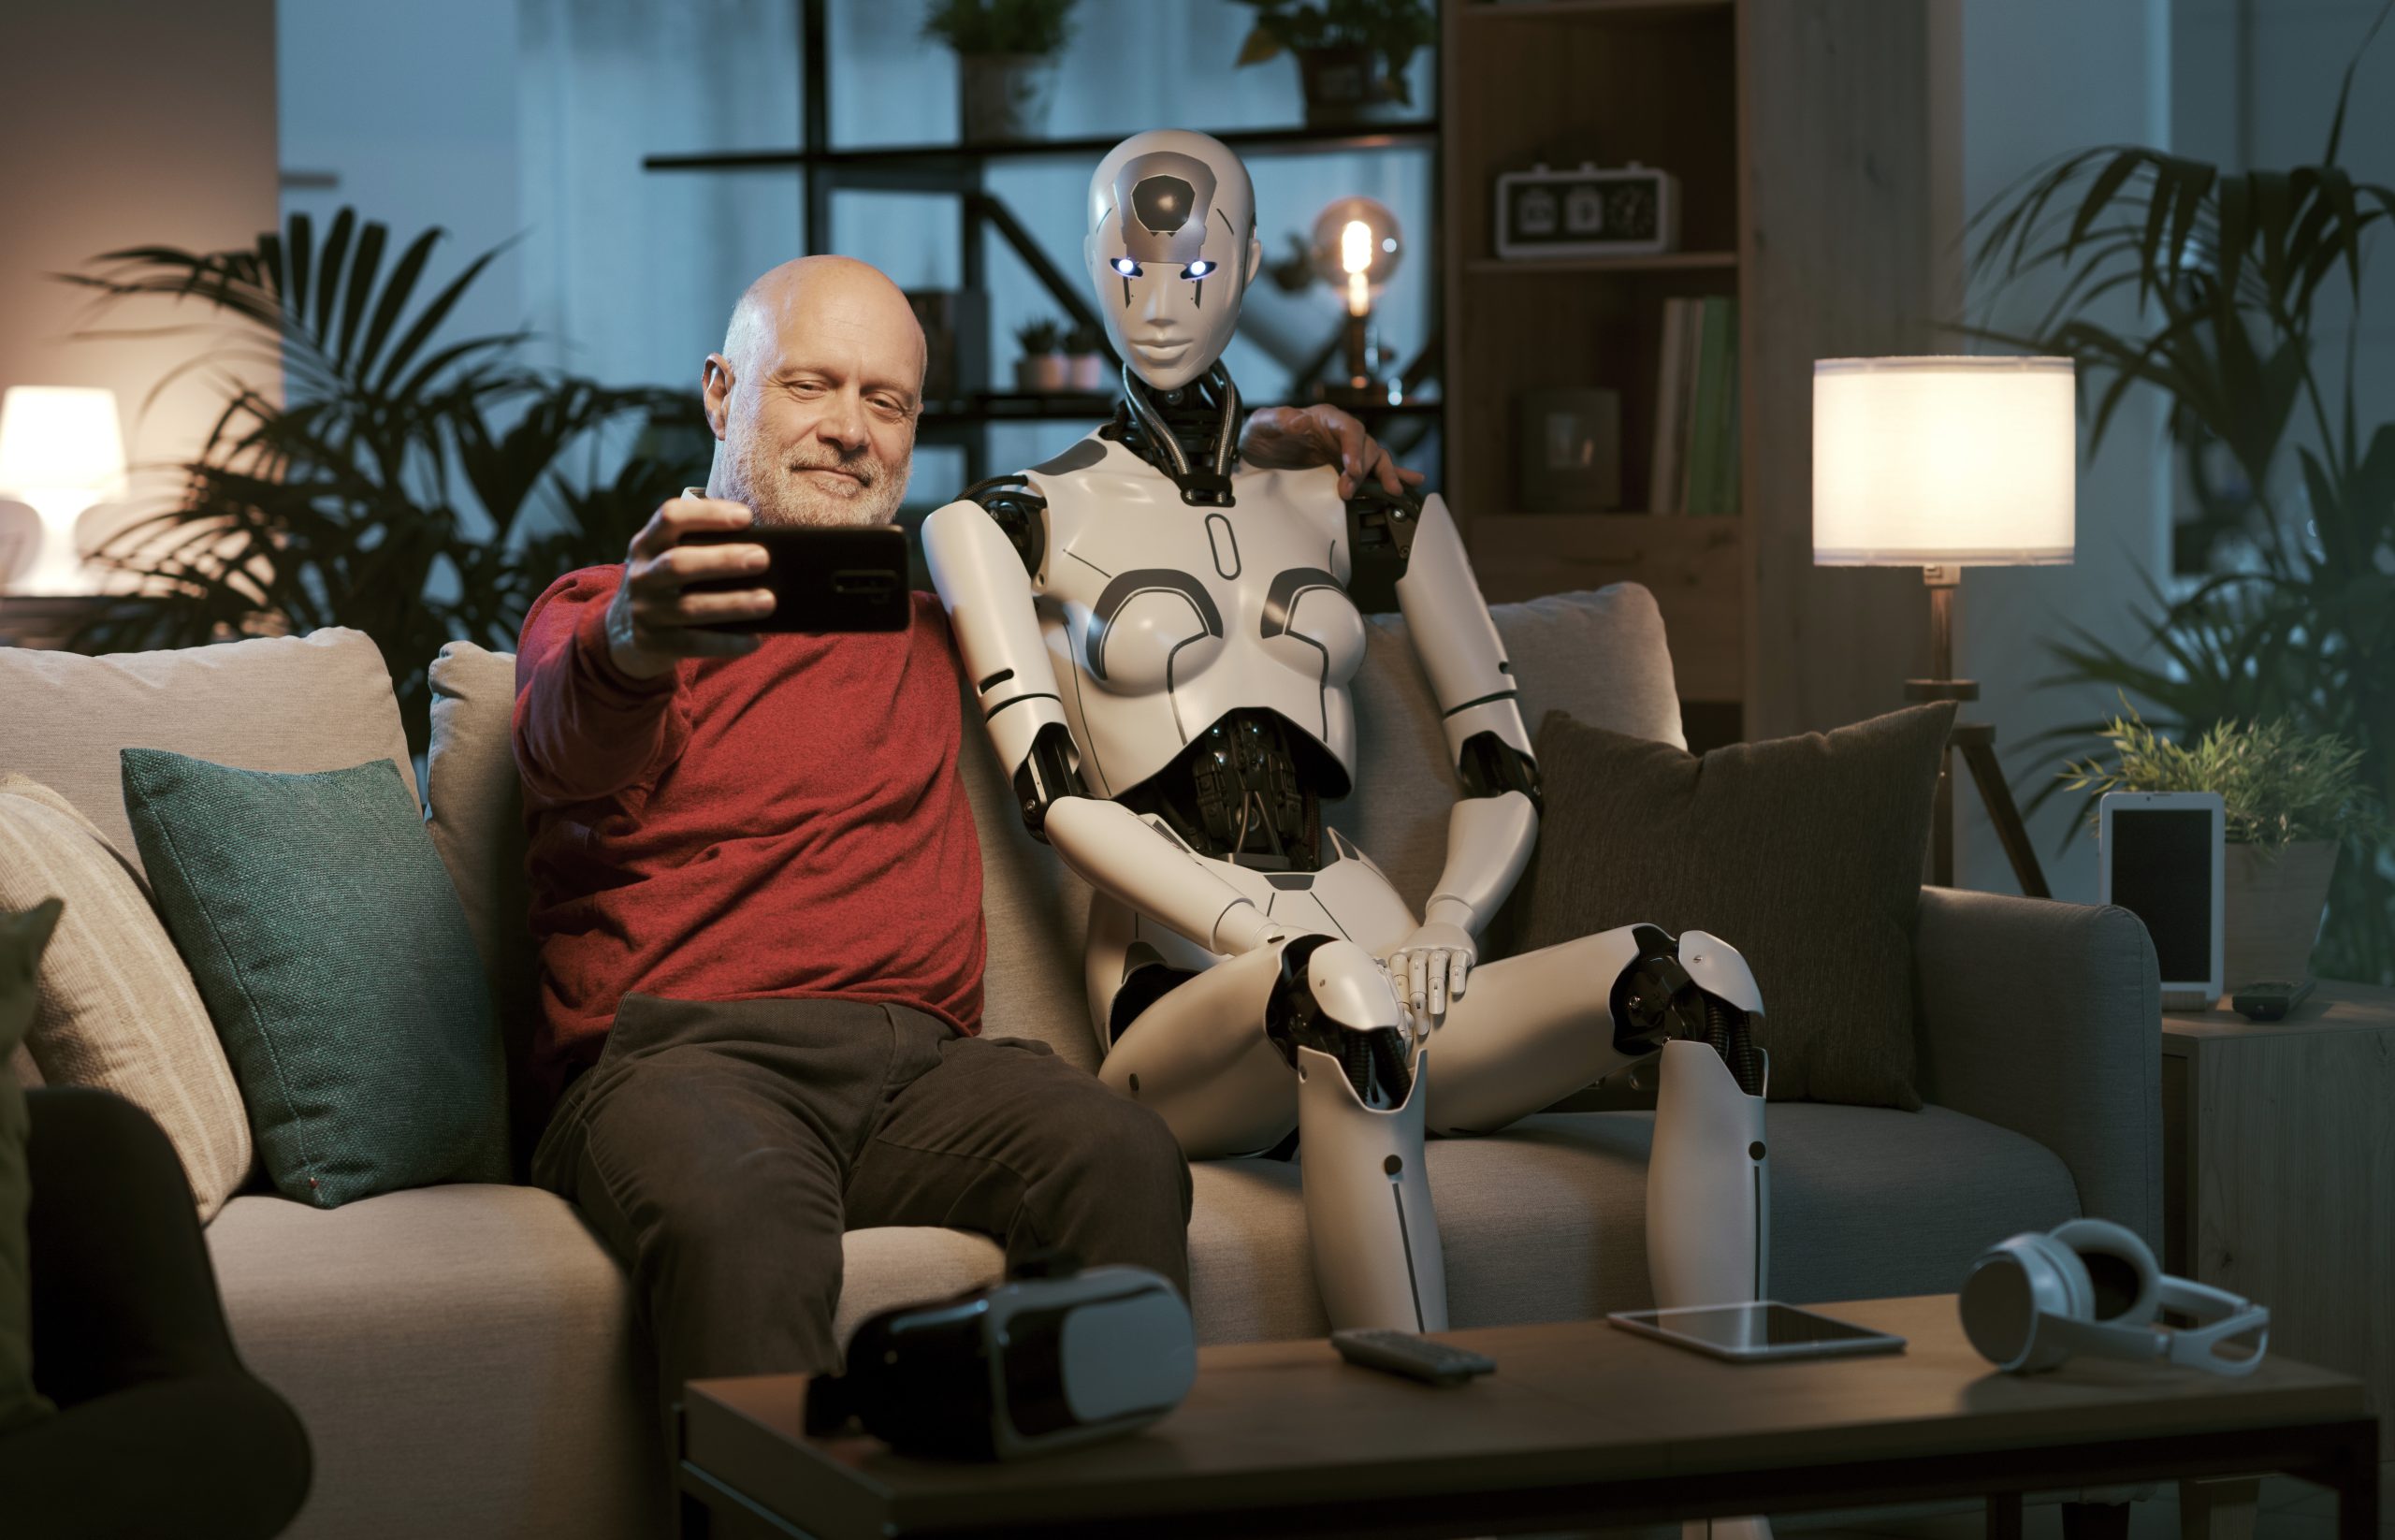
pixel 815 394
pixel 1171 249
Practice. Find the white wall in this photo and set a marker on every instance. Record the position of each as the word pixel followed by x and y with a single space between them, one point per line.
pixel 2039 78
pixel 126 122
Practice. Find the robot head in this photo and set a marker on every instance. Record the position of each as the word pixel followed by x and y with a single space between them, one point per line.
pixel 1171 248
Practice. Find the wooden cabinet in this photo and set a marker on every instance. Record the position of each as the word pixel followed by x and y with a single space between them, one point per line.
pixel 2279 1173
pixel 1798 131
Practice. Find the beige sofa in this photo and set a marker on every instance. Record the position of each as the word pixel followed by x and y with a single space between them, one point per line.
pixel 462 1356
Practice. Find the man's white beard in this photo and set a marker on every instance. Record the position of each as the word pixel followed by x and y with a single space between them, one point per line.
pixel 755 475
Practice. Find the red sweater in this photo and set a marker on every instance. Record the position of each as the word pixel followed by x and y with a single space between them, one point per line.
pixel 791 823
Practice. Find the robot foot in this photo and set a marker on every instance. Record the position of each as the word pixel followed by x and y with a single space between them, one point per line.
pixel 1361 1092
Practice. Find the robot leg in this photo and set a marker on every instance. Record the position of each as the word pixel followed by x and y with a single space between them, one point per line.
pixel 1708 1182
pixel 1708 1188
pixel 1361 1099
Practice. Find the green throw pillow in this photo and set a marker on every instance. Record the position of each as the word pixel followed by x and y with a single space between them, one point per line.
pixel 21 936
pixel 1805 853
pixel 336 962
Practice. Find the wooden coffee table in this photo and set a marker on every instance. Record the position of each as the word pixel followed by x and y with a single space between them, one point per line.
pixel 1582 1424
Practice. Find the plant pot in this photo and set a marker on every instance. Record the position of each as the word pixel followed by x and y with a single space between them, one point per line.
pixel 1003 95
pixel 1345 86
pixel 1085 371
pixel 2271 908
pixel 1040 371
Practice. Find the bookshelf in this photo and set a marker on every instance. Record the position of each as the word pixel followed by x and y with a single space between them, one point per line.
pixel 1799 133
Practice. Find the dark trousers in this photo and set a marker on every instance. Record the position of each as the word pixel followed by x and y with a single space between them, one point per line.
pixel 720 1149
pixel 160 1430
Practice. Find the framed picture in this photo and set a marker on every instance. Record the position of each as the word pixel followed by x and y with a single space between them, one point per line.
pixel 1631 212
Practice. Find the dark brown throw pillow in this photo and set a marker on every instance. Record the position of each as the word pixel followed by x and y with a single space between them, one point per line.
pixel 1805 853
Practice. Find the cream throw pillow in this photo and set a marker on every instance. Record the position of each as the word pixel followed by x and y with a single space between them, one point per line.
pixel 119 1009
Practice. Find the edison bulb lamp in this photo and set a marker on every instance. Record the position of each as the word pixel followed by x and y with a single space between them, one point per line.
pixel 1943 463
pixel 60 450
pixel 1356 248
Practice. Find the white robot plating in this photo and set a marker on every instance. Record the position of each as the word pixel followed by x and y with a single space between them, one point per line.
pixel 1161 643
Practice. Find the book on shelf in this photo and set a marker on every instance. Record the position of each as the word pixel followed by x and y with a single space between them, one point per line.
pixel 1694 463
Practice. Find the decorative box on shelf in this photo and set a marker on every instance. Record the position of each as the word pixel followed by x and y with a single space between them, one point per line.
pixel 1631 210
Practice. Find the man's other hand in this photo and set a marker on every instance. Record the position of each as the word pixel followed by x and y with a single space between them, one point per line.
pixel 650 621
pixel 1289 437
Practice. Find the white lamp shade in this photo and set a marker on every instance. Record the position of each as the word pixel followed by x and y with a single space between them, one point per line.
pixel 1944 461
pixel 59 439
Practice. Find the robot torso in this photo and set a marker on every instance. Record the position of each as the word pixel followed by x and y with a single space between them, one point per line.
pixel 1163 617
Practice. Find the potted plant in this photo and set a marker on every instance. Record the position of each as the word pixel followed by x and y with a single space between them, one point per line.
pixel 1042 364
pixel 2289 800
pixel 418 489
pixel 1352 54
pixel 1005 69
pixel 2223 289
pixel 1084 360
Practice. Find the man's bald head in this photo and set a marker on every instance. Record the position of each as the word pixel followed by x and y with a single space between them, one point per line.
pixel 814 396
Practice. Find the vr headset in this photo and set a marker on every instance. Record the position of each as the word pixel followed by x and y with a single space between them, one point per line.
pixel 1047 1360
pixel 2092 1286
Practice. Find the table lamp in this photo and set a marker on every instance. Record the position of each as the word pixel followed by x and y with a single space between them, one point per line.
pixel 61 451
pixel 1943 463
pixel 1356 248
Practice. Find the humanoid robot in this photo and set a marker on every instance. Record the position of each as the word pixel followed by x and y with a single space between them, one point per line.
pixel 1161 643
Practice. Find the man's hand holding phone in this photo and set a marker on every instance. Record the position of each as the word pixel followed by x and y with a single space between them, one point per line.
pixel 654 620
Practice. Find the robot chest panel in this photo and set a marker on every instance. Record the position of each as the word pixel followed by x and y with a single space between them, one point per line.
pixel 1167 598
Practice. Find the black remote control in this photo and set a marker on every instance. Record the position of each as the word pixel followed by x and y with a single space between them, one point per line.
pixel 2268 999
pixel 1417 1358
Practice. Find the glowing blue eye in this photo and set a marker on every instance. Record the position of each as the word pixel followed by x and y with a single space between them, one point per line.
pixel 1128 268
pixel 1198 269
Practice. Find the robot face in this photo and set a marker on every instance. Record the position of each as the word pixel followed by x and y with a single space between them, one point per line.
pixel 1171 249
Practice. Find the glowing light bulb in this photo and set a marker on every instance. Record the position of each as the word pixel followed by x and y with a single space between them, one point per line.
pixel 1356 247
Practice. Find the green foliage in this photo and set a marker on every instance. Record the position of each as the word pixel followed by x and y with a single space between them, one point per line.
pixel 1081 341
pixel 1000 26
pixel 1040 335
pixel 2296 622
pixel 1393 29
pixel 2277 784
pixel 346 502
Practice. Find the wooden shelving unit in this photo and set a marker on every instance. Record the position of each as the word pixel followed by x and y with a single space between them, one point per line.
pixel 1797 130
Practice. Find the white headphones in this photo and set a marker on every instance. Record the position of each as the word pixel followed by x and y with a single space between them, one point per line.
pixel 2092 1286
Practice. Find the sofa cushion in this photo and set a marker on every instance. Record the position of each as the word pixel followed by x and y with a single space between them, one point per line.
pixel 1599 656
pixel 1547 1220
pixel 462 1355
pixel 335 963
pixel 119 1009
pixel 1805 853
pixel 319 701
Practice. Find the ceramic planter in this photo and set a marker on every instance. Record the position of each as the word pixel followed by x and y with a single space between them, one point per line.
pixel 1345 86
pixel 1040 371
pixel 2271 906
pixel 1003 95
pixel 1085 371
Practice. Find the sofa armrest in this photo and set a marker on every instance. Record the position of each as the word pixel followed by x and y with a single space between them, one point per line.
pixel 2046 1019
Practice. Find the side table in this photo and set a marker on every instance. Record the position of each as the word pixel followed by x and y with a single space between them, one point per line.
pixel 2278 1166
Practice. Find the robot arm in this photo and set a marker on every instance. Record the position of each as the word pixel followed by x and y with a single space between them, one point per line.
pixel 980 571
pixel 1493 826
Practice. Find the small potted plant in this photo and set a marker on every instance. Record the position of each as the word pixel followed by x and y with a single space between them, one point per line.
pixel 1042 364
pixel 1084 360
pixel 1352 54
pixel 1005 62
pixel 2288 800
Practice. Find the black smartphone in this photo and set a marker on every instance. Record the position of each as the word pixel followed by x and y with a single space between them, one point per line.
pixel 821 579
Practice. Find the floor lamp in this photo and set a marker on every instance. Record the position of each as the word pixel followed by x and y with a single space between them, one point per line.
pixel 1943 463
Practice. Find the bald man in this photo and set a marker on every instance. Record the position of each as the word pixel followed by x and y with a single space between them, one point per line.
pixel 757 891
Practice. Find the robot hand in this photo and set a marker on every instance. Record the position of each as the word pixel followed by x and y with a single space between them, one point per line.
pixel 1429 967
